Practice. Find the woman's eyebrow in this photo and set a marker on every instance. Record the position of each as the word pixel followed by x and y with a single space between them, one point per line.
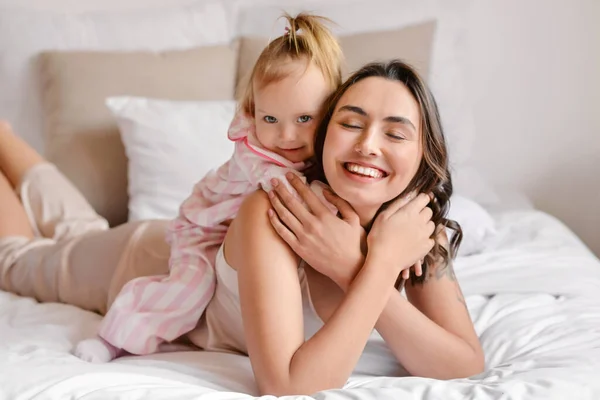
pixel 393 119
pixel 401 120
pixel 354 109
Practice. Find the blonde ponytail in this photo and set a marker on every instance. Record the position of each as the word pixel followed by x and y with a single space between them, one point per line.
pixel 306 37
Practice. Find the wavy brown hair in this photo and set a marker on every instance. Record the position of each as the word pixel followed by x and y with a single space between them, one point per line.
pixel 433 175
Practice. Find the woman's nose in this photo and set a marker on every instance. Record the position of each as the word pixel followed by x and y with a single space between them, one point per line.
pixel 367 145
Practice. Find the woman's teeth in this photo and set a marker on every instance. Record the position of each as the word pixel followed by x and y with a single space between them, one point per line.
pixel 364 171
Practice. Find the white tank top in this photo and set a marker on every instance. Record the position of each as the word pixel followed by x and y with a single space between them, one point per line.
pixel 221 328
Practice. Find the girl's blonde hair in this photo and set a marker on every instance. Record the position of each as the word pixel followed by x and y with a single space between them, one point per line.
pixel 306 38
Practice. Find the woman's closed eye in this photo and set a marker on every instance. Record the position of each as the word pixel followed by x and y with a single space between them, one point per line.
pixel 395 135
pixel 350 125
pixel 392 135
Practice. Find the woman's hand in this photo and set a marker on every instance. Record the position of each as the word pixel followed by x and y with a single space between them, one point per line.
pixel 333 246
pixel 401 234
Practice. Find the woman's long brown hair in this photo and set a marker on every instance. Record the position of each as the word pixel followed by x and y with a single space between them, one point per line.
pixel 433 175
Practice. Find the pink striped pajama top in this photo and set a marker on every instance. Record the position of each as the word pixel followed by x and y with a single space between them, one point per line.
pixel 151 310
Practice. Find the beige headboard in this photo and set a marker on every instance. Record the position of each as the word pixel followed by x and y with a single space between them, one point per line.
pixel 82 137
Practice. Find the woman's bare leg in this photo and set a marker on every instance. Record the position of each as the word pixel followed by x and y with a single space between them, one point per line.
pixel 13 218
pixel 16 156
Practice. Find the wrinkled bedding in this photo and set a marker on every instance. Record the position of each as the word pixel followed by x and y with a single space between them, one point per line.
pixel 534 296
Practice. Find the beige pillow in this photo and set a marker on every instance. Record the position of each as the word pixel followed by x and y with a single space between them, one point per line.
pixel 82 137
pixel 413 44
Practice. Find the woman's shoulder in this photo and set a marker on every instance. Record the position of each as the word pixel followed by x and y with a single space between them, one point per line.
pixel 252 213
pixel 251 230
pixel 251 216
pixel 255 206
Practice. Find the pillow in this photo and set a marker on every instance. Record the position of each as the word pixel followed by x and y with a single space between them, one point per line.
pixel 82 25
pixel 170 146
pixel 82 137
pixel 476 223
pixel 366 17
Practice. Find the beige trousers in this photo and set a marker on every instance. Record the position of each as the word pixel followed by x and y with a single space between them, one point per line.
pixel 75 257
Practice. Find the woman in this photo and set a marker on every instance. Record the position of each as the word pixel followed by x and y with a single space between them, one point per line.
pixel 303 328
pixel 380 141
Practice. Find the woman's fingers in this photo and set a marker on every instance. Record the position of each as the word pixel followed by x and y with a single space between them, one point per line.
pixel 406 274
pixel 309 197
pixel 400 203
pixel 419 268
pixel 284 214
pixel 420 202
pixel 292 206
pixel 282 230
pixel 348 213
pixel 430 228
pixel 427 214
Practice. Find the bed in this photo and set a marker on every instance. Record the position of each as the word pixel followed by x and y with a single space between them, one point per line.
pixel 533 296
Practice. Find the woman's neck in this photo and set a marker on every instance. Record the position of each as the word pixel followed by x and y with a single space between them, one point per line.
pixel 366 215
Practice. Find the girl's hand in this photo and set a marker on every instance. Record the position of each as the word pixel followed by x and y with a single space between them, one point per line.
pixel 401 235
pixel 333 246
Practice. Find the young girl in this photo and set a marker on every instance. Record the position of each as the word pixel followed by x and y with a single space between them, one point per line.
pixel 274 132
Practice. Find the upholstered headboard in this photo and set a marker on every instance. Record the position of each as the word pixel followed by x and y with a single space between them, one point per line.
pixel 83 139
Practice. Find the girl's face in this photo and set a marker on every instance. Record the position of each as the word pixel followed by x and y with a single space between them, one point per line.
pixel 373 146
pixel 287 111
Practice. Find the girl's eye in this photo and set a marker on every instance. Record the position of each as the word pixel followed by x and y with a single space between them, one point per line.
pixel 304 118
pixel 269 119
pixel 350 126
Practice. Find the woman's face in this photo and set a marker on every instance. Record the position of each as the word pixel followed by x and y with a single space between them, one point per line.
pixel 373 147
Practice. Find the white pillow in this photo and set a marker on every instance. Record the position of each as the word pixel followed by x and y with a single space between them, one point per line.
pixel 170 145
pixel 476 223
pixel 26 33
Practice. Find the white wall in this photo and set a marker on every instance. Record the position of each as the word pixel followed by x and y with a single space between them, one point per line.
pixel 533 69
pixel 534 74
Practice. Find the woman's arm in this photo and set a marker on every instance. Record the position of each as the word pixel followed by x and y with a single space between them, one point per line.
pixel 432 334
pixel 271 306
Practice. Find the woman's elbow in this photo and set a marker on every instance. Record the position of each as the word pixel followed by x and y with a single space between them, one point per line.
pixel 477 364
pixel 281 388
pixel 464 367
pixel 472 365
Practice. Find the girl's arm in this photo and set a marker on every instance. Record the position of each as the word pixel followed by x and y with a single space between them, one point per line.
pixel 432 334
pixel 271 304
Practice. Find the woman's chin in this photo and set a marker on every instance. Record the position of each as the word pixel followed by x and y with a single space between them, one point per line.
pixel 362 201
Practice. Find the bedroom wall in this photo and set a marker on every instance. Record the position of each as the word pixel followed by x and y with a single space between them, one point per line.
pixel 533 70
pixel 534 74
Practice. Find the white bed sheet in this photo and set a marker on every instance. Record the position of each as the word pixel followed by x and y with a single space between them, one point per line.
pixel 533 295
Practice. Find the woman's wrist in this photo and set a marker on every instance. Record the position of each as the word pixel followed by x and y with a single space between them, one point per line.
pixel 348 273
pixel 384 262
pixel 381 266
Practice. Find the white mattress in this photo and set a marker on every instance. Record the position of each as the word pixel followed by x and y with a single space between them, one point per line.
pixel 533 295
